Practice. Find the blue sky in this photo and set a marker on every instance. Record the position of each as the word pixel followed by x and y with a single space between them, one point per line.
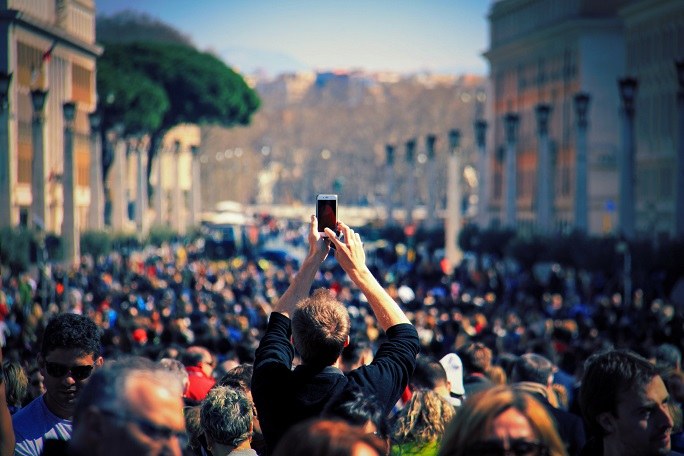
pixel 441 36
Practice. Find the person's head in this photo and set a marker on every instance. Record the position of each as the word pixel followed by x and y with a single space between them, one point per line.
pixel 320 437
pixel 36 382
pixel 668 357
pixel 454 370
pixel 130 406
pixel 502 418
pixel 356 354
pixel 239 377
pixel 320 328
pixel 359 408
pixel 423 419
pixel 476 358
pixel 178 369
pixel 197 356
pixel 226 419
pixel 531 367
pixel 497 375
pixel 16 383
pixel 625 401
pixel 69 353
pixel 430 374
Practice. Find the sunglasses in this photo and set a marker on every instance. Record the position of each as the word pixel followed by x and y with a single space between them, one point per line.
pixel 152 430
pixel 516 447
pixel 59 370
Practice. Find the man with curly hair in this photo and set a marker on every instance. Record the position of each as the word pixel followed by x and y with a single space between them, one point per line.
pixel 319 328
pixel 69 352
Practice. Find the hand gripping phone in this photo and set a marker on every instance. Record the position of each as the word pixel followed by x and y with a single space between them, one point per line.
pixel 326 212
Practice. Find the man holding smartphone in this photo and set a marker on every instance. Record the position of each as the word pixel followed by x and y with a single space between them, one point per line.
pixel 318 326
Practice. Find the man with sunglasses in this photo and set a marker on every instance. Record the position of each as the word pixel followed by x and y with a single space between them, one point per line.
pixel 69 353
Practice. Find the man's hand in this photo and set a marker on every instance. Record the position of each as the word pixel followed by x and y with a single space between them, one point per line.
pixel 349 252
pixel 318 246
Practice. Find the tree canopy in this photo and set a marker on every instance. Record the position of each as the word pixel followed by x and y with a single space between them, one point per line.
pixel 150 87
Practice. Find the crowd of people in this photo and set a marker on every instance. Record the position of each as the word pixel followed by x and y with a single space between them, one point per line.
pixel 161 351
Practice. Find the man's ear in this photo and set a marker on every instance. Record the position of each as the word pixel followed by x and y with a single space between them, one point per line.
pixel 607 421
pixel 346 342
pixel 99 361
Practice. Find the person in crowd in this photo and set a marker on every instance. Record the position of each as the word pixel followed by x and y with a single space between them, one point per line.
pixel 497 375
pixel 454 371
pixel 227 422
pixel 668 357
pixel 131 406
pixel 502 421
pixel 197 441
pixel 420 425
pixel 356 354
pixel 360 409
pixel 16 385
pixel 319 437
pixel 178 369
pixel 7 439
pixel 477 359
pixel 69 354
pixel 533 374
pixel 240 377
pixel 625 405
pixel 36 383
pixel 430 374
pixel 319 326
pixel 199 363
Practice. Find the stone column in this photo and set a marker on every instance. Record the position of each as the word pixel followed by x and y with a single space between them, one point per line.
pixel 431 175
pixel 581 165
pixel 70 232
pixel 545 194
pixel 453 220
pixel 96 211
pixel 38 217
pixel 160 218
pixel 177 191
pixel 196 194
pixel 511 125
pixel 141 186
pixel 119 198
pixel 628 88
pixel 389 179
pixel 410 202
pixel 6 168
pixel 483 177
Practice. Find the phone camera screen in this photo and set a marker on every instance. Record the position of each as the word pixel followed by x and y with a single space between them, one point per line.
pixel 327 216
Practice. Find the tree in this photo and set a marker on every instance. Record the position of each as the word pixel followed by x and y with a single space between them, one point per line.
pixel 200 88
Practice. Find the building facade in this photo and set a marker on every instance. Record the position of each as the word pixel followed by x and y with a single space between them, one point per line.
pixel 48 46
pixel 545 52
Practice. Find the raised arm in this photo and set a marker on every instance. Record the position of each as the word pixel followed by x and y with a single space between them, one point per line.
pixel 301 284
pixel 352 258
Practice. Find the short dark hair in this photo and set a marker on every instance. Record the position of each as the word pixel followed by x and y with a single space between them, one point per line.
pixel 71 331
pixel 357 407
pixel 531 367
pixel 239 377
pixel 476 357
pixel 429 373
pixel 606 376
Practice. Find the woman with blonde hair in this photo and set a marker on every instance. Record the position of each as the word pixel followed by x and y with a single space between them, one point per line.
pixel 420 425
pixel 502 421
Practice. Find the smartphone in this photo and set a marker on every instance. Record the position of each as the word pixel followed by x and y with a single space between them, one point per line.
pixel 326 212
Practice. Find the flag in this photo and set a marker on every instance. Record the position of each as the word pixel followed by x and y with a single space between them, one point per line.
pixel 47 55
pixel 38 70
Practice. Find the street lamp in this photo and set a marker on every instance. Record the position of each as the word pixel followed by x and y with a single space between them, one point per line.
pixel 38 207
pixel 679 176
pixel 411 184
pixel 483 180
pixel 38 98
pixel 454 140
pixel 431 175
pixel 5 80
pixel 389 179
pixel 544 170
pixel 628 88
pixel 582 100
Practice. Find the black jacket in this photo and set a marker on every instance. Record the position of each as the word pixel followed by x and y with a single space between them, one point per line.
pixel 284 397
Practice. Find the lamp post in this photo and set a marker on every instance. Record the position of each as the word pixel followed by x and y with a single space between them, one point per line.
pixel 679 176
pixel 69 222
pixel 411 180
pixel 483 178
pixel 38 207
pixel 431 179
pixel 454 198
pixel 196 196
pixel 389 178
pixel 581 166
pixel 544 170
pixel 6 157
pixel 511 124
pixel 96 211
pixel 628 90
